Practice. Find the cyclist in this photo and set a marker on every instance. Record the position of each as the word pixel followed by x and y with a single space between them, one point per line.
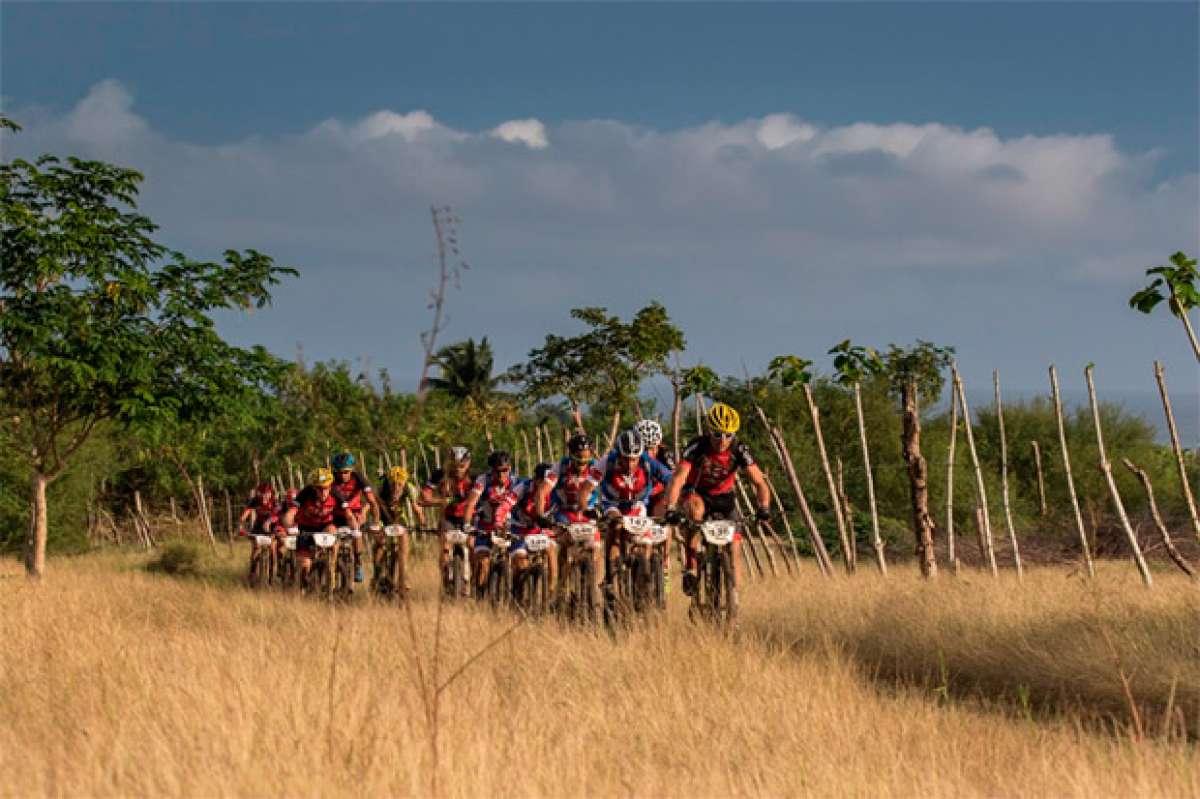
pixel 448 489
pixel 629 479
pixel 398 500
pixel 705 482
pixel 652 436
pixel 526 520
pixel 313 511
pixel 352 491
pixel 262 511
pixel 489 502
pixel 568 493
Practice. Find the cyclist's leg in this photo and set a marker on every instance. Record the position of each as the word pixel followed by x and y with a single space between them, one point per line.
pixel 481 556
pixel 611 524
pixel 658 509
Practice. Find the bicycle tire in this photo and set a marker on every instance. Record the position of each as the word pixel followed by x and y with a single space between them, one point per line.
pixel 731 592
pixel 658 581
pixel 587 588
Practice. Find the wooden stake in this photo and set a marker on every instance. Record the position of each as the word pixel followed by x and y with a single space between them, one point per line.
pixel 1066 454
pixel 291 472
pixel 848 514
pixel 814 533
pixel 1172 552
pixel 174 512
pixel 1161 378
pixel 951 555
pixel 229 516
pixel 749 541
pixel 815 412
pixel 980 489
pixel 1106 467
pixel 1037 463
pixel 205 517
pixel 787 525
pixel 748 514
pixel 1008 520
pixel 876 539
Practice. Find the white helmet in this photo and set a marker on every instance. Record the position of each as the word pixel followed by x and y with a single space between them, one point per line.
pixel 651 433
pixel 630 445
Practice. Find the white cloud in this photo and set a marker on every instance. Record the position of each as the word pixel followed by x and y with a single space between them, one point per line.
pixel 530 132
pixel 863 227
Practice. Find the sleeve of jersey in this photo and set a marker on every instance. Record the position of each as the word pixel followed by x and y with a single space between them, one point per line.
pixel 363 484
pixel 478 486
pixel 692 453
pixel 660 473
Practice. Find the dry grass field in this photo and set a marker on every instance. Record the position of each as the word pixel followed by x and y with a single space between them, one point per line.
pixel 115 681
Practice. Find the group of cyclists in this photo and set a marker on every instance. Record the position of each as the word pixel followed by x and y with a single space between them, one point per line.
pixel 636 478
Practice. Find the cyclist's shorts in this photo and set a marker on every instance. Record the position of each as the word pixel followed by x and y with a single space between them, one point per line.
pixel 304 542
pixel 482 541
pixel 717 506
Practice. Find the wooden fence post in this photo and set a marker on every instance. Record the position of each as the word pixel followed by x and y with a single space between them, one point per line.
pixel 1106 468
pixel 1163 533
pixel 1066 454
pixel 815 413
pixel 980 488
pixel 876 539
pixel 1037 464
pixel 1008 520
pixel 951 555
pixel 1160 377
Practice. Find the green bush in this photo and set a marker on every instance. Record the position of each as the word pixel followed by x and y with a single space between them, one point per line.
pixel 179 559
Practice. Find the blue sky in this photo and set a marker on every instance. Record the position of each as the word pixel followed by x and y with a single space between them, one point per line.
pixel 992 176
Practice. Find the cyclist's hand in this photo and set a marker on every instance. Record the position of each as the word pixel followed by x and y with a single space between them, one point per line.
pixel 762 515
pixel 673 517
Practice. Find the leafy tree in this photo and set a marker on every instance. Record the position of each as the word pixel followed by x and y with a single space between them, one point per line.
pixel 466 376
pixel 98 321
pixel 922 366
pixel 1182 295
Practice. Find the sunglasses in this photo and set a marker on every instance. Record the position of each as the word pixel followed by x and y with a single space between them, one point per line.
pixel 721 435
pixel 345 471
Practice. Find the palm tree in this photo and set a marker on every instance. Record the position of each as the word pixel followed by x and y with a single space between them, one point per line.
pixel 466 375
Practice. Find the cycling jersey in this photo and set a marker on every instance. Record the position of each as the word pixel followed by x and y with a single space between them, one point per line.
pixel 312 511
pixel 569 481
pixel 713 472
pixel 392 501
pixel 523 518
pixel 263 507
pixel 458 495
pixel 495 499
pixel 624 491
pixel 662 456
pixel 351 493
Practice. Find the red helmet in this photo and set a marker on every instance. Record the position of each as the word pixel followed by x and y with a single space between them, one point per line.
pixel 265 489
pixel 291 494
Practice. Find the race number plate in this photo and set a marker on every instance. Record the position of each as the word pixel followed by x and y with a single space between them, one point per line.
pixel 582 533
pixel 718 533
pixel 454 537
pixel 324 540
pixel 637 525
pixel 394 530
pixel 537 542
pixel 262 540
pixel 346 532
pixel 289 542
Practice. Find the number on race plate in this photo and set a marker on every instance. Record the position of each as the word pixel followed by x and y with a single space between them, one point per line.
pixel 262 540
pixel 537 542
pixel 582 533
pixel 456 537
pixel 394 530
pixel 324 540
pixel 290 542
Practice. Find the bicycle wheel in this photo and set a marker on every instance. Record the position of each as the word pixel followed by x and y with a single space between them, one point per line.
pixel 730 587
pixel 344 577
pixel 458 578
pixel 254 577
pixel 538 587
pixel 587 589
pixel 658 589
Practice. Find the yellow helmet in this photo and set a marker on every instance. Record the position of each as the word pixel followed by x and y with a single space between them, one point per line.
pixel 321 477
pixel 398 475
pixel 722 419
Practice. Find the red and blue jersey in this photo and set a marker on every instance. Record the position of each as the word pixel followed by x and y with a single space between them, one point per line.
pixel 496 498
pixel 625 491
pixel 574 485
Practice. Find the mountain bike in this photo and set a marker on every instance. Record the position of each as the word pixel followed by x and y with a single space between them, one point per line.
pixel 716 597
pixel 458 566
pixel 285 571
pixel 499 578
pixel 639 575
pixel 343 562
pixel 582 539
pixel 319 579
pixel 389 576
pixel 262 561
pixel 531 585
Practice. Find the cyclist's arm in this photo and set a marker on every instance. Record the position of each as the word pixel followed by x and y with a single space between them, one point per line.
pixel 289 517
pixel 760 486
pixel 678 480
pixel 469 508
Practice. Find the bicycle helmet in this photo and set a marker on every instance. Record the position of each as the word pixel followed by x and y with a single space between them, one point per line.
pixel 291 495
pixel 722 419
pixel 460 454
pixel 629 444
pixel 321 477
pixel 265 489
pixel 343 461
pixel 398 475
pixel 578 443
pixel 499 460
pixel 651 433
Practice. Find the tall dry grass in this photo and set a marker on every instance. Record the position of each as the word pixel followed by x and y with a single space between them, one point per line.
pixel 114 681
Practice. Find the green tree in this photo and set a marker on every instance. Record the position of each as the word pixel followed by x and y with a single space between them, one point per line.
pixel 98 321
pixel 466 376
pixel 1182 295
